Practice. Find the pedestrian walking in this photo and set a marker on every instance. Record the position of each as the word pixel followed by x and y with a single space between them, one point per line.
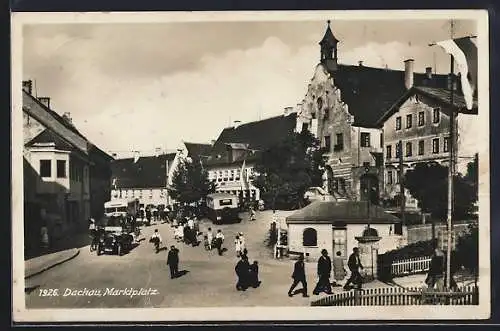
pixel 299 276
pixel 242 241
pixel 210 237
pixel 324 272
pixel 156 240
pixel 435 276
pixel 242 272
pixel 237 246
pixel 354 264
pixel 339 271
pixel 173 261
pixel 253 279
pixel 219 238
pixel 251 213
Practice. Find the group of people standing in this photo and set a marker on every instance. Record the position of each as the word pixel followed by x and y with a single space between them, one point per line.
pixel 248 274
pixel 324 270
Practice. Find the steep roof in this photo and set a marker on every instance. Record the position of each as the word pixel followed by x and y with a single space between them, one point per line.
pixel 329 39
pixel 439 95
pixel 197 150
pixel 48 136
pixel 342 212
pixel 369 92
pixel 147 172
pixel 59 126
pixel 258 136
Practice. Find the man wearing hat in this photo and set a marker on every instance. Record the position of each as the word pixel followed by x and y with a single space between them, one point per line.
pixel 299 276
pixel 324 271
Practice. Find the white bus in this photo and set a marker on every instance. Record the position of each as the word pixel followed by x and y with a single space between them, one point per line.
pixel 122 207
pixel 223 208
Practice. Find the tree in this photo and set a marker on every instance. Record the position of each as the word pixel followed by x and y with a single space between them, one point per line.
pixel 190 182
pixel 428 183
pixel 287 169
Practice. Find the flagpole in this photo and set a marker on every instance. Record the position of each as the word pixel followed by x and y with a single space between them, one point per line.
pixel 451 167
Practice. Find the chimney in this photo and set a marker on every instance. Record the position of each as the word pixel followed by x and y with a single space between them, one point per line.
pixel 137 155
pixel 67 117
pixel 428 72
pixel 360 63
pixel 114 155
pixel 157 151
pixel 408 73
pixel 236 124
pixel 212 142
pixel 28 86
pixel 45 101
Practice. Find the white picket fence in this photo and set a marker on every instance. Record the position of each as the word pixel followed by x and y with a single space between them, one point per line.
pixel 410 266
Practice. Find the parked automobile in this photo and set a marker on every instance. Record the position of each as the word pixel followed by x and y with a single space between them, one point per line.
pixel 116 238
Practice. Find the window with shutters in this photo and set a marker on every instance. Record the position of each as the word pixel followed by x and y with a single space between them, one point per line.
pixel 398 123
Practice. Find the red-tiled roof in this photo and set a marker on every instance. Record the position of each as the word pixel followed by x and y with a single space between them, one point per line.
pixel 147 172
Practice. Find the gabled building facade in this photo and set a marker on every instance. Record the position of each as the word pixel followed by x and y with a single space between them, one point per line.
pixel 66 176
pixel 142 177
pixel 420 121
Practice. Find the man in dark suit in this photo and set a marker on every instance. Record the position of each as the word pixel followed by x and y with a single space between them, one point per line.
pixel 354 264
pixel 242 272
pixel 324 272
pixel 299 276
pixel 173 261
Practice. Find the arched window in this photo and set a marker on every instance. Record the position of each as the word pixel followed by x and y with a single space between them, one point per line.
pixel 310 237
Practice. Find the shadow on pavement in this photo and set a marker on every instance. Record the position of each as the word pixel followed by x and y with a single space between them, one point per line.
pixel 182 273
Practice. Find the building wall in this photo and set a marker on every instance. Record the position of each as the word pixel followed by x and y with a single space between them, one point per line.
pixel 325 237
pixel 146 196
pixel 52 184
pixel 425 133
pixel 228 178
pixel 31 127
pixel 330 117
pixel 100 189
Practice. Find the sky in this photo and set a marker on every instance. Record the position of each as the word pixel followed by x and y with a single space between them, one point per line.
pixel 143 86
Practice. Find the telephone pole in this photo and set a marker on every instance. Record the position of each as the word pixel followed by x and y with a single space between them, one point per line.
pixel 451 166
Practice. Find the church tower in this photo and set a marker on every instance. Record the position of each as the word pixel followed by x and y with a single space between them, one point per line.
pixel 329 49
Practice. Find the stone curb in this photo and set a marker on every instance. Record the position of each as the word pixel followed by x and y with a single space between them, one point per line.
pixel 50 266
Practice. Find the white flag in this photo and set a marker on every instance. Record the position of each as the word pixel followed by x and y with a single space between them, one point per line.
pixel 464 52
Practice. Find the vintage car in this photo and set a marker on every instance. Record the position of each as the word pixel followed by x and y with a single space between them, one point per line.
pixel 116 239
